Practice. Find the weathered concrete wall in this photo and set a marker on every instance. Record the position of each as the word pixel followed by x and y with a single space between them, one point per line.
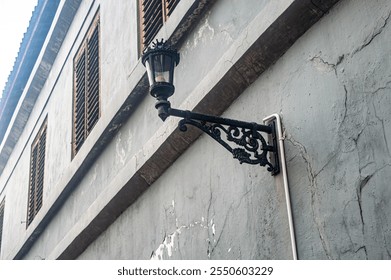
pixel 332 90
pixel 341 138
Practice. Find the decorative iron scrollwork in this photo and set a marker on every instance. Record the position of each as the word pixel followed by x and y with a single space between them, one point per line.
pixel 252 148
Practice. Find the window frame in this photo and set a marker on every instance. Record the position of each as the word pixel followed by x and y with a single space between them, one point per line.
pixel 83 50
pixel 35 204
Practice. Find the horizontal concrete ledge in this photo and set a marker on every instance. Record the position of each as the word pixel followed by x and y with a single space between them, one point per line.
pixel 294 19
pixel 20 87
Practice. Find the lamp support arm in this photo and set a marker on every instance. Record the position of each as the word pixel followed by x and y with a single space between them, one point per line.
pixel 244 140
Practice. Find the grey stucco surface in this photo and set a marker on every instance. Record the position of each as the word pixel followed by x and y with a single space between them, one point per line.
pixel 340 138
pixel 332 91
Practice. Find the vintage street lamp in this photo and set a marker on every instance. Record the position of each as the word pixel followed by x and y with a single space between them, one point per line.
pixel 251 147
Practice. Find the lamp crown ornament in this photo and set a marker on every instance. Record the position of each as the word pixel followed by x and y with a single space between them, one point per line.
pixel 161 45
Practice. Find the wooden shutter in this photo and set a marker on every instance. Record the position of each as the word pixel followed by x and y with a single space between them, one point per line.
pixel 2 204
pixel 37 170
pixel 33 187
pixel 151 20
pixel 40 170
pixel 86 108
pixel 93 79
pixel 79 103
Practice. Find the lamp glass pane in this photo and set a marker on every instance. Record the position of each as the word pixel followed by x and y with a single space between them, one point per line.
pixel 149 73
pixel 162 69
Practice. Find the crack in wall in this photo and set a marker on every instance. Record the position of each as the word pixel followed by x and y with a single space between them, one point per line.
pixel 386 86
pixel 365 163
pixel 345 111
pixel 356 124
pixel 347 230
pixel 375 33
pixel 346 133
pixel 167 247
pixel 385 136
pixel 330 160
pixel 360 188
pixel 365 251
pixel 363 184
pixel 313 187
pixel 319 61
pixel 168 243
pixel 208 250
pixel 234 66
pixel 324 66
pixel 380 119
pixel 240 46
pixel 211 248
pixel 386 246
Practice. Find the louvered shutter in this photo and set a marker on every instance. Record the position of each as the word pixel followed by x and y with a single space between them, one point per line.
pixel 37 168
pixel 86 87
pixel 33 187
pixel 151 20
pixel 40 170
pixel 93 79
pixel 2 205
pixel 80 96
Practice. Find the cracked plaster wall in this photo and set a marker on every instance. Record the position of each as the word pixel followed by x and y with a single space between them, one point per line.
pixel 332 89
pixel 341 137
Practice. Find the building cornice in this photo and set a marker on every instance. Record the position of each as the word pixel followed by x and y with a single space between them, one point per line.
pixel 19 82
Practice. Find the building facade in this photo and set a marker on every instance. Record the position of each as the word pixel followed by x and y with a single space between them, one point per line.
pixel 89 171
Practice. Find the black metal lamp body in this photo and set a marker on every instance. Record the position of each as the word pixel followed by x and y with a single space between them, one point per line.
pixel 251 147
pixel 160 62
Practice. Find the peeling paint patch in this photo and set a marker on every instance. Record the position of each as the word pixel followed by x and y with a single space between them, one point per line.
pixel 204 33
pixel 321 65
pixel 205 30
pixel 166 246
pixel 324 67
pixel 120 150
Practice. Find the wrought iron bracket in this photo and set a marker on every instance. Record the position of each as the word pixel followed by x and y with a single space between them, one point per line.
pixel 244 140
